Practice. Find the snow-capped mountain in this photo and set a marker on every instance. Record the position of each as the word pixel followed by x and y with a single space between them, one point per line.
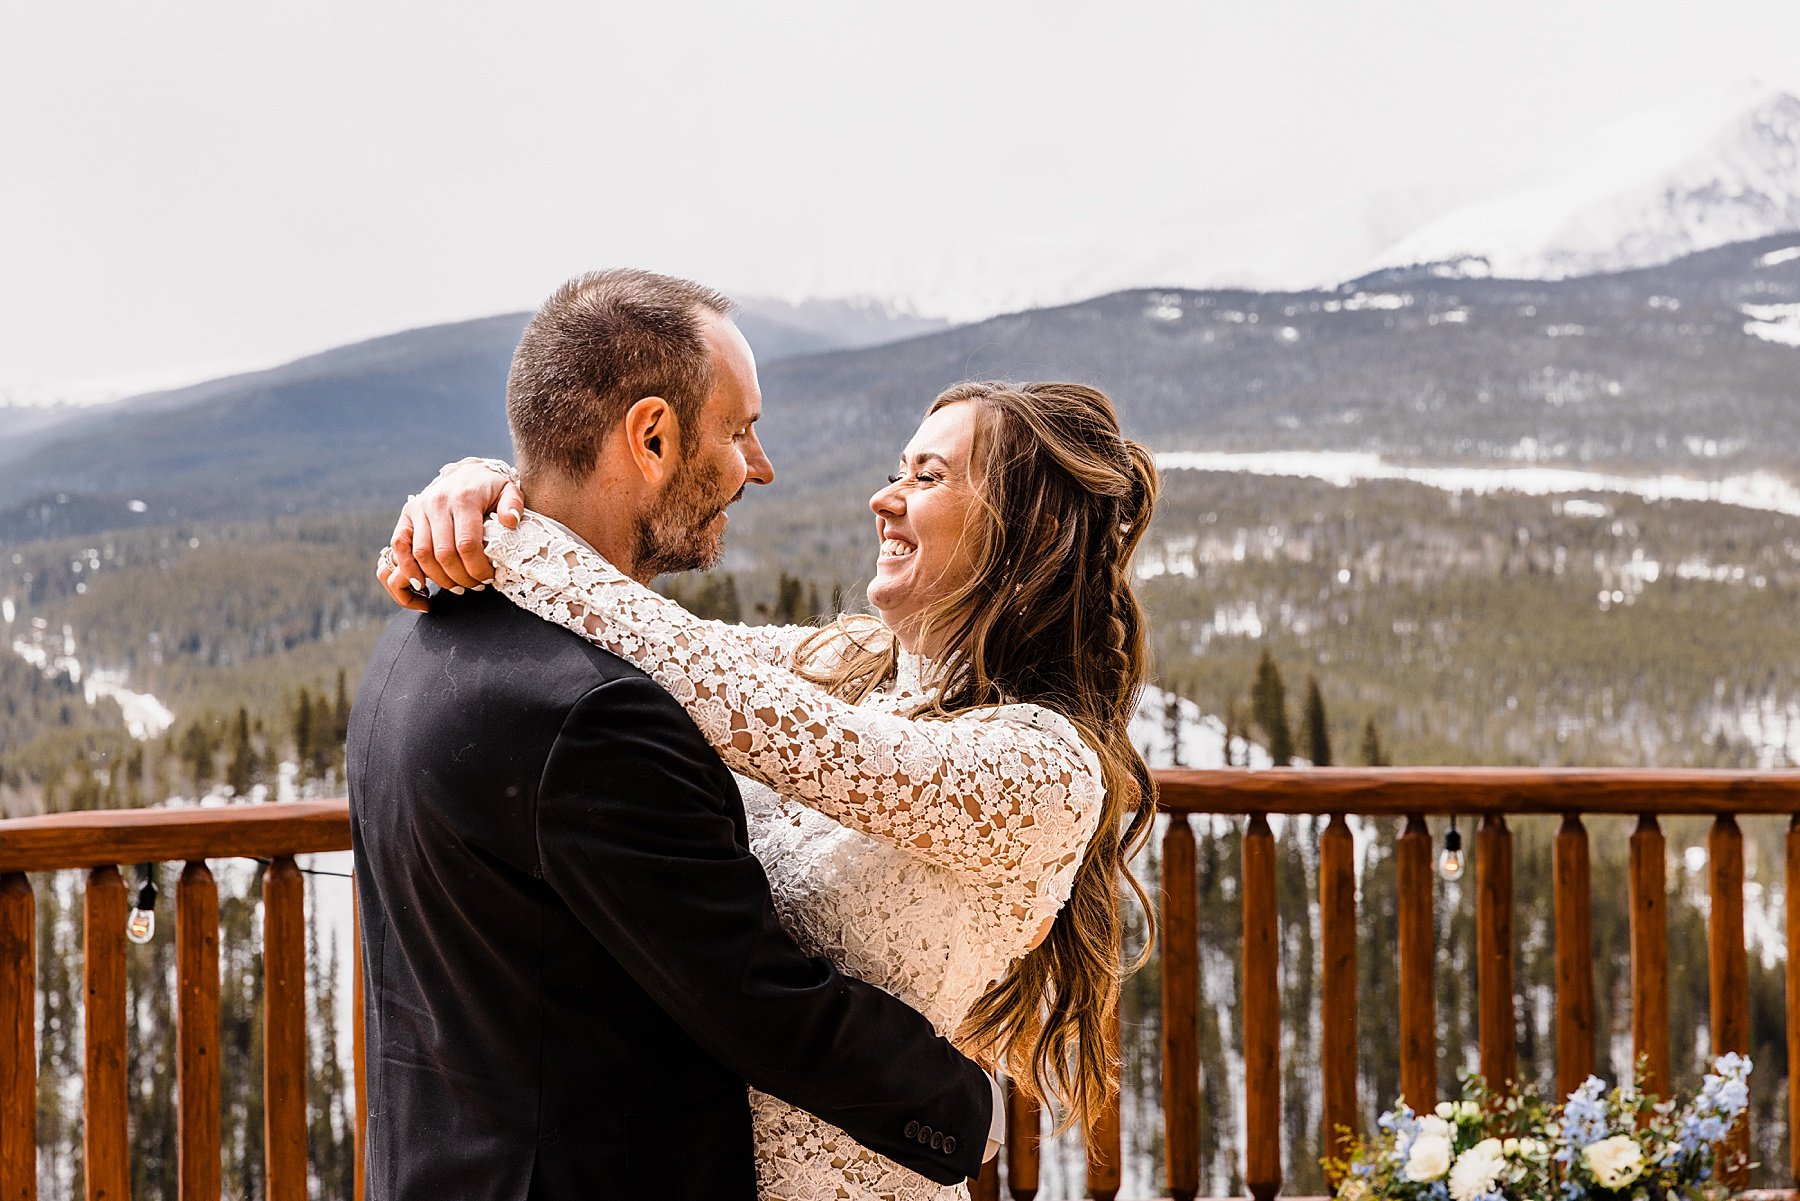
pixel 1684 177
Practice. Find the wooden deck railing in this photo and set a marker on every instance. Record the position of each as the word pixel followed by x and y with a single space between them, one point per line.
pixel 98 841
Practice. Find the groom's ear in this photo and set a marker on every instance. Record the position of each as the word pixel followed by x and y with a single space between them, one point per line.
pixel 653 436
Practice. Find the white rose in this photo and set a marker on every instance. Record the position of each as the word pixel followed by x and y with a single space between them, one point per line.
pixel 1510 1146
pixel 1533 1148
pixel 1429 1160
pixel 1468 1110
pixel 1435 1126
pixel 1477 1170
pixel 1615 1162
pixel 1446 1110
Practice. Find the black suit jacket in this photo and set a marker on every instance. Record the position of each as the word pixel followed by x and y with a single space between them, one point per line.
pixel 572 961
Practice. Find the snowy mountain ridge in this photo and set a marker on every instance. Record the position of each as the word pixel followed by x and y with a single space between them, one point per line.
pixel 1667 182
pixel 1691 174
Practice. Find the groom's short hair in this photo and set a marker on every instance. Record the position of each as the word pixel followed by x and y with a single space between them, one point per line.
pixel 603 342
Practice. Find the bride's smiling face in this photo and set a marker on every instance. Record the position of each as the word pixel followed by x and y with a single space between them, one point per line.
pixel 924 521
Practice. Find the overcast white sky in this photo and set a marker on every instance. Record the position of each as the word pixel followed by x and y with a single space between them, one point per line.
pixel 199 184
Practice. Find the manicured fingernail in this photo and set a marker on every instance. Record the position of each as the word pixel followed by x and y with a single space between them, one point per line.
pixel 513 513
pixel 416 586
pixel 481 587
pixel 457 590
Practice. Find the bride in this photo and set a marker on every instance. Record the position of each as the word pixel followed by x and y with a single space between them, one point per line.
pixel 944 797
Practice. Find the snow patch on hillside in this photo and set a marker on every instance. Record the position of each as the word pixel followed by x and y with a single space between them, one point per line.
pixel 54 655
pixel 1779 323
pixel 1757 490
pixel 1185 736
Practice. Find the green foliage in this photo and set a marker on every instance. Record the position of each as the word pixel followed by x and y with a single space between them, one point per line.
pixel 1371 751
pixel 1268 708
pixel 1315 729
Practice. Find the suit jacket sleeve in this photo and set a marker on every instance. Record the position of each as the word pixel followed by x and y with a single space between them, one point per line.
pixel 634 835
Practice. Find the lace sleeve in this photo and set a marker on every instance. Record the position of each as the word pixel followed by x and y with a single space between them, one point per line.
pixel 1008 794
pixel 771 644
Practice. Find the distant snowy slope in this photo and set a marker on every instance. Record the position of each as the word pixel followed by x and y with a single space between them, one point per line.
pixel 1196 740
pixel 1718 168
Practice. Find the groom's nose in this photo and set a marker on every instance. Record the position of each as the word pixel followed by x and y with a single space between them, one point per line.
pixel 756 463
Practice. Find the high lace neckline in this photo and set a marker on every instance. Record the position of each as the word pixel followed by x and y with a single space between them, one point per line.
pixel 911 673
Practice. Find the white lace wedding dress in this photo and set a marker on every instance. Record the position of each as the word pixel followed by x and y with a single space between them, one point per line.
pixel 922 856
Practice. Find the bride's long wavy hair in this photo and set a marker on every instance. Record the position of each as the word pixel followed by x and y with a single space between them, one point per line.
pixel 1047 616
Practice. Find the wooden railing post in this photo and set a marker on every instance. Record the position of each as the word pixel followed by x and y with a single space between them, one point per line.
pixel 197 1032
pixel 1729 969
pixel 986 1186
pixel 1574 957
pixel 1649 893
pixel 1105 1162
pixel 1494 944
pixel 1337 938
pixel 1792 888
pixel 1262 1010
pixel 18 1039
pixel 1023 1130
pixel 1181 1010
pixel 1418 960
pixel 105 1151
pixel 284 1030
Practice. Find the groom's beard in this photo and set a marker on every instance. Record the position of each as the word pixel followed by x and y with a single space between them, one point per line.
pixel 682 532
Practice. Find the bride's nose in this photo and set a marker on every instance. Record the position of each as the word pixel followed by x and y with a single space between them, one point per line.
pixel 889 500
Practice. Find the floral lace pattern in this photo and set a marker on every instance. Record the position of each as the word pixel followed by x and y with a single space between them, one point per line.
pixel 924 856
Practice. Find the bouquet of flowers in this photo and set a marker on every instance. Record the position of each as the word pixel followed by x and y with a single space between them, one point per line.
pixel 1597 1146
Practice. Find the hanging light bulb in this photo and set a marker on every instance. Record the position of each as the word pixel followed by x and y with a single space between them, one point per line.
pixel 1450 859
pixel 140 927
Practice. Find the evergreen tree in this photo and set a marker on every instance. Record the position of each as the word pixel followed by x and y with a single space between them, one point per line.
pixel 1172 726
pixel 331 1130
pixel 304 737
pixel 241 1040
pixel 134 778
pixel 150 1046
pixel 327 749
pixel 1268 708
pixel 1315 732
pixel 340 711
pixel 1372 753
pixel 242 772
pixel 197 753
pixel 790 601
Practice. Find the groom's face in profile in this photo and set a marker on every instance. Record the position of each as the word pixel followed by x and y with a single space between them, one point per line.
pixel 684 529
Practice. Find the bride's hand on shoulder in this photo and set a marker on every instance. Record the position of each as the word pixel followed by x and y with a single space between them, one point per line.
pixel 438 536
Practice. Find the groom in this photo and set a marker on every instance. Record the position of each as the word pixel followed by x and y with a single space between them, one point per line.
pixel 572 960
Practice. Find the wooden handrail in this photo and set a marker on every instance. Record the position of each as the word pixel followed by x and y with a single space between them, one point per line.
pixel 1502 791
pixel 99 836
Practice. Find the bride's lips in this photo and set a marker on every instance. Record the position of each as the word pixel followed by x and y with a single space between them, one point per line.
pixel 893 548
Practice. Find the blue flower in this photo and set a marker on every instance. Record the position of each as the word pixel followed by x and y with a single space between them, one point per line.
pixel 1584 1118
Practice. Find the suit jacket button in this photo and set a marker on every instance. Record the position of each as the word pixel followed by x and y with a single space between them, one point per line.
pixel 924 1134
pixel 937 1142
pixel 912 1130
pixel 949 1144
